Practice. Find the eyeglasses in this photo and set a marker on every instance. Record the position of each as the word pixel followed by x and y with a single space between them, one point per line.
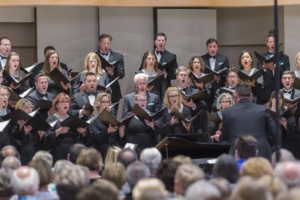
pixel 173 96
pixel 226 102
pixel 104 102
pixel 63 102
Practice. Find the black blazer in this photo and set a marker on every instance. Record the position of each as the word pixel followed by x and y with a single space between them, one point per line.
pixel 247 118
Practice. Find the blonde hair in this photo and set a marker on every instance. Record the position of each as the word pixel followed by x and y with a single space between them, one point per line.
pixel 98 100
pixel 112 155
pixel 90 158
pixel 22 104
pixel 99 70
pixel 166 98
pixel 296 58
pixel 148 189
pixel 256 167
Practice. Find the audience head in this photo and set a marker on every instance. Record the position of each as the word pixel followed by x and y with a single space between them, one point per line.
pixel 289 173
pixel 202 190
pixel 223 186
pixel 141 82
pixel 274 184
pixel 60 165
pixel 44 170
pixel 246 147
pixel 224 101
pixel 212 46
pixel 226 167
pixel 256 167
pixel 112 154
pixel 152 158
pixel 292 194
pixel 127 156
pixel 5 46
pixel 182 159
pixel 115 173
pixel 285 155
pixel 166 173
pixel 149 189
pixel 25 181
pixel 91 158
pixel 74 151
pixel 101 189
pixel 44 155
pixel 248 188
pixel 70 180
pixel 5 182
pixel 135 172
pixel 185 175
pixel 9 150
pixel 11 162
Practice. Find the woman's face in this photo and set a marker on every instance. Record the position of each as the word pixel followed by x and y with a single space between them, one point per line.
pixel 173 99
pixel 14 63
pixel 150 60
pixel 28 108
pixel 53 61
pixel 3 97
pixel 196 65
pixel 225 103
pixel 274 101
pixel 104 103
pixel 92 64
pixel 63 105
pixel 246 60
pixel 141 101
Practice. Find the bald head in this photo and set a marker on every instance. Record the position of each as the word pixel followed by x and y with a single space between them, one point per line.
pixel 9 150
pixel 285 155
pixel 25 181
pixel 289 173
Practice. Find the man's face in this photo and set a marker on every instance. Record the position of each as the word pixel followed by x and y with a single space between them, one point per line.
pixel 212 49
pixel 5 47
pixel 90 83
pixel 42 84
pixel 287 81
pixel 160 43
pixel 271 43
pixel 104 45
pixel 232 79
pixel 141 85
pixel 182 78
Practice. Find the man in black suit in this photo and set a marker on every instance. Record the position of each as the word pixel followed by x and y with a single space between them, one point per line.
pixel 5 48
pixel 82 102
pixel 40 92
pixel 268 85
pixel 153 102
pixel 117 62
pixel 164 57
pixel 215 62
pixel 247 118
pixel 39 66
pixel 182 77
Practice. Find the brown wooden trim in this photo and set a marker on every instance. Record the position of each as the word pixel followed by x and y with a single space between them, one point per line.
pixel 152 3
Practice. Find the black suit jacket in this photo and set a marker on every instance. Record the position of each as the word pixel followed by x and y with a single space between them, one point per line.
pixel 153 103
pixel 265 89
pixel 247 118
pixel 119 71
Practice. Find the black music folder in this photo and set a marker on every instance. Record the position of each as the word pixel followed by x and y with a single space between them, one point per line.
pixel 57 76
pixel 196 96
pixel 43 104
pixel 104 88
pixel 156 82
pixel 143 114
pixel 108 118
pixel 204 79
pixel 17 115
pixel 286 113
pixel 292 101
pixel 213 118
pixel 74 122
pixel 175 112
pixel 16 97
pixel 167 65
pixel 10 79
pixel 296 83
pixel 39 123
pixel 267 59
pixel 216 72
pixel 258 73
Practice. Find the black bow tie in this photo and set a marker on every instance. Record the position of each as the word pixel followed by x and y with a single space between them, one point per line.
pixel 104 54
pixel 90 93
pixel 159 52
pixel 3 57
pixel 287 92
pixel 214 57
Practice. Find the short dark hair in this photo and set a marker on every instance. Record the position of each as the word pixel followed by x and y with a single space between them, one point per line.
pixel 105 35
pixel 127 156
pixel 4 37
pixel 246 146
pixel 47 48
pixel 243 89
pixel 39 75
pixel 89 74
pixel 74 151
pixel 160 34
pixel 211 40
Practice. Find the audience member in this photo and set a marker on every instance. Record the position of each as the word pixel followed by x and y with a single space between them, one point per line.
pixel 285 155
pixel 274 184
pixel 6 192
pixel 223 186
pixel 44 155
pixel 256 167
pixel 74 151
pixel 149 189
pixel 115 173
pixel 11 162
pixel 289 173
pixel 127 156
pixel 112 155
pixel 202 190
pixel 152 158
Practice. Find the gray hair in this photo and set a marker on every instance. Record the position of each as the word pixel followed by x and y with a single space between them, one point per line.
pixel 140 76
pixel 136 171
pixel 11 162
pixel 227 95
pixel 289 173
pixel 45 155
pixel 152 158
pixel 202 190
